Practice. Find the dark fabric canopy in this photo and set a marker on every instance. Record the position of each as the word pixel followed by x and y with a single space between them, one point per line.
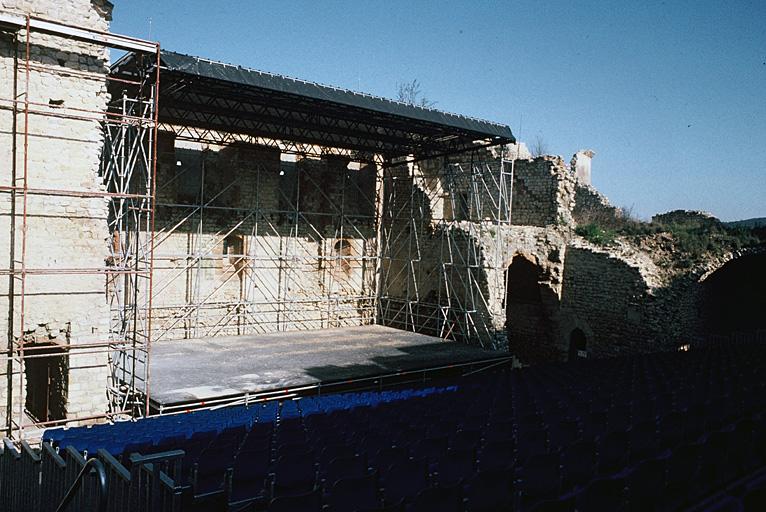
pixel 215 96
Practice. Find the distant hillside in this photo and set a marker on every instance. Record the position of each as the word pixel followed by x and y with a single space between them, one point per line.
pixel 747 223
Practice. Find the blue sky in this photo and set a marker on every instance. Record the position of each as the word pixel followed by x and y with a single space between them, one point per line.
pixel 671 95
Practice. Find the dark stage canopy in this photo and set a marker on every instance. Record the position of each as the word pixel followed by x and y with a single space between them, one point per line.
pixel 215 97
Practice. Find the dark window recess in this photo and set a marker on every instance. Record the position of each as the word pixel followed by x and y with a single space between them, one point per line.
pixel 288 192
pixel 222 187
pixel 343 249
pixel 578 345
pixel 463 206
pixel 234 248
pixel 47 383
pixel 188 176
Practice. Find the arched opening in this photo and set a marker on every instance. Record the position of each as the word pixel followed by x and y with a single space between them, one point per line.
pixel 578 345
pixel 527 323
pixel 523 281
pixel 733 298
pixel 341 250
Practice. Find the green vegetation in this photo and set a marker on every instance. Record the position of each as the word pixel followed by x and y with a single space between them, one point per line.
pixel 596 234
pixel 689 239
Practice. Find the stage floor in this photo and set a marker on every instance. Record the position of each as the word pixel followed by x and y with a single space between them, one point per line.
pixel 193 370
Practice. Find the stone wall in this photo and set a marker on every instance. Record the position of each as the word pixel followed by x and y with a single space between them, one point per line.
pixel 608 298
pixel 592 206
pixel 63 232
pixel 249 243
pixel 543 192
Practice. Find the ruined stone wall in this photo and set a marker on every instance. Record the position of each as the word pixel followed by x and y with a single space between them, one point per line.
pixel 438 272
pixel 543 192
pixel 592 206
pixel 248 243
pixel 63 232
pixel 605 297
pixel 528 320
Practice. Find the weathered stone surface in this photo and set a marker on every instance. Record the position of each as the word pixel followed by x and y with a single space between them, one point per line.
pixel 62 232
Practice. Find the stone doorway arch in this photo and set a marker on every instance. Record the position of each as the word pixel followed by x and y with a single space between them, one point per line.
pixel 578 344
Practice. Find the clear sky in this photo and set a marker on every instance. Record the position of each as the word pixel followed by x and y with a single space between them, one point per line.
pixel 670 95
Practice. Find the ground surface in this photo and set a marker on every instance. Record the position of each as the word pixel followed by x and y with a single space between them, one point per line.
pixel 202 369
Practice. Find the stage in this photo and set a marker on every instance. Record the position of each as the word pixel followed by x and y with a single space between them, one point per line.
pixel 208 371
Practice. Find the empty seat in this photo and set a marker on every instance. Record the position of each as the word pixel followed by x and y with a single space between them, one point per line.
pixel 497 455
pixel 404 480
pixel 579 463
pixel 442 499
pixel 307 502
pixel 344 467
pixel 249 477
pixel 293 474
pixel 349 494
pixel 489 491
pixel 386 457
pixel 539 478
pixel 646 484
pixel 603 494
pixel 612 452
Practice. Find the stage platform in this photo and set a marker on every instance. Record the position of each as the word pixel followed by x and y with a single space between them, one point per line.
pixel 217 370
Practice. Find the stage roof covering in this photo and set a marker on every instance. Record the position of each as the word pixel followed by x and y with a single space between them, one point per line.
pixel 212 97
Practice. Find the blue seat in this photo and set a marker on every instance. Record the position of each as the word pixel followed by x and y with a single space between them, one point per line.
pixel 579 463
pixel 497 455
pixel 489 491
pixel 353 466
pixel 643 441
pixel 563 432
pixel 387 457
pixel 603 494
pixel 646 485
pixel 293 474
pixel 350 494
pixel 454 466
pixel 307 502
pixel 465 439
pixel 442 499
pixel 612 452
pixel 682 471
pixel 539 478
pixel 251 470
pixel 404 480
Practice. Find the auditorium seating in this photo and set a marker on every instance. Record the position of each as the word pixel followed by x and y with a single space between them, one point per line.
pixel 660 431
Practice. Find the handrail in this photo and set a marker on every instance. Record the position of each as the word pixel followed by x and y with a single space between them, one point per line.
pixel 102 487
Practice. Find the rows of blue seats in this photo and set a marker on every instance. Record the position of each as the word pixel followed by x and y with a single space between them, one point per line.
pixel 654 432
pixel 648 432
pixel 137 435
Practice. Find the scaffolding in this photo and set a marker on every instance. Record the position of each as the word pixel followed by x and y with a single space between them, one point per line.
pixel 277 264
pixel 128 125
pixel 230 211
pixel 444 247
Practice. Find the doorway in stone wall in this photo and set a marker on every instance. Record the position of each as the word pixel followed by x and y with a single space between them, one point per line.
pixel 578 345
pixel 526 318
pixel 47 382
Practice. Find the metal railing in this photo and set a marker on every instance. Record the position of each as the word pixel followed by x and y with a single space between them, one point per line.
pixel 90 465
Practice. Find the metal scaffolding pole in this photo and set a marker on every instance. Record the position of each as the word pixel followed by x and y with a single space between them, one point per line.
pixel 451 219
pixel 21 349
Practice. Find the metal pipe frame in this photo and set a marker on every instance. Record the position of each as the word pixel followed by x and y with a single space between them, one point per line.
pixel 132 126
pixel 417 270
pixel 275 246
pixel 438 266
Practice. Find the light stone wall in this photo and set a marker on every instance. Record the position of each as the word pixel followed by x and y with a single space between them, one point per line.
pixel 592 206
pixel 62 232
pixel 268 251
pixel 543 192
